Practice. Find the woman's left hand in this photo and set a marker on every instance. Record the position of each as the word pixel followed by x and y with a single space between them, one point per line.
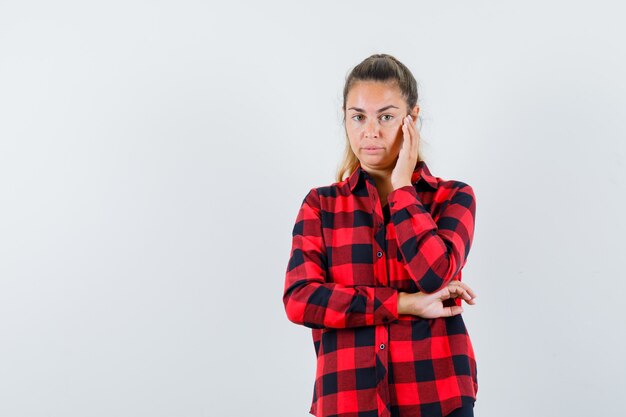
pixel 407 158
pixel 430 306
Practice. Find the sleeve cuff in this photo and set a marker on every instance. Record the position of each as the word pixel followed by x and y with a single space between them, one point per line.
pixel 386 305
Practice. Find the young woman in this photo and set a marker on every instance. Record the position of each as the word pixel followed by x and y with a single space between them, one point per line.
pixel 376 262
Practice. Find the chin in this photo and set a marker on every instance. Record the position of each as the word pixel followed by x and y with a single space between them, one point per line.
pixel 377 162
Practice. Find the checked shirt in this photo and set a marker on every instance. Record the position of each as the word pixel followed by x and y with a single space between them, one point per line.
pixel 350 257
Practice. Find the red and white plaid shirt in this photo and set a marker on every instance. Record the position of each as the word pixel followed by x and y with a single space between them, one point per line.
pixel 350 257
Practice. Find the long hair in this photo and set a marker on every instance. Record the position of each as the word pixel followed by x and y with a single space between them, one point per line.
pixel 378 67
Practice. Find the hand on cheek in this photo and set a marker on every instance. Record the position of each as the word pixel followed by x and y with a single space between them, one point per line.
pixel 407 158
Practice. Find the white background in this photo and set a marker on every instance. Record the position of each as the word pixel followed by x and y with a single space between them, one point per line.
pixel 153 156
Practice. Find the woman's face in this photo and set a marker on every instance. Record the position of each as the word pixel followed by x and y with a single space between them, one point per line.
pixel 373 119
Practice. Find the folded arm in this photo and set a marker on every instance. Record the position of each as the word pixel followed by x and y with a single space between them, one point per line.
pixel 433 252
pixel 311 301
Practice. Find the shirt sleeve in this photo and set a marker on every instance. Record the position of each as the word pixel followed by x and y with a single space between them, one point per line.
pixel 311 301
pixel 433 252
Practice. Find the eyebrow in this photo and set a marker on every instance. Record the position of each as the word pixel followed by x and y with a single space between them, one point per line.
pixel 381 110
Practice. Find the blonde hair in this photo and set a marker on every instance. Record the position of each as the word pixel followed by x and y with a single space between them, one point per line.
pixel 383 68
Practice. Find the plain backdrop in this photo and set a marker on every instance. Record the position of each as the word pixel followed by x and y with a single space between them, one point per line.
pixel 154 154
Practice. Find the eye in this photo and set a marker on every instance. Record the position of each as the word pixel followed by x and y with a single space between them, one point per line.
pixel 356 115
pixel 387 115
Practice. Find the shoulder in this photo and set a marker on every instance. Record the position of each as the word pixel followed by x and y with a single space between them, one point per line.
pixel 450 193
pixel 455 193
pixel 454 185
pixel 323 192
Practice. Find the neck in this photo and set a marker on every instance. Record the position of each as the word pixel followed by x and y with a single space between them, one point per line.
pixel 380 176
pixel 382 179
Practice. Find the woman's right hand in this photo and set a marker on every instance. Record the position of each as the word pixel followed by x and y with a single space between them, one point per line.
pixel 430 306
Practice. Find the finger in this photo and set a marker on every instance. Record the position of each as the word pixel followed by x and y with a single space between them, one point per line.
pixel 444 293
pixel 452 311
pixel 406 133
pixel 405 137
pixel 468 289
pixel 414 132
pixel 465 286
pixel 459 291
pixel 417 132
pixel 464 294
pixel 411 130
pixel 468 298
pixel 454 284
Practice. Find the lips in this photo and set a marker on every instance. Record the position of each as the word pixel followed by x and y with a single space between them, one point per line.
pixel 372 150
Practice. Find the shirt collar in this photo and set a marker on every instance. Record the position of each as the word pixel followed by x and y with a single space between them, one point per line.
pixel 421 172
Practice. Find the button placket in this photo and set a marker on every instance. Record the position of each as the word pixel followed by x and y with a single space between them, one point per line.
pixel 382 369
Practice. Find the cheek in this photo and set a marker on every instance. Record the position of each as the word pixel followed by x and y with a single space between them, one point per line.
pixel 397 140
pixel 353 129
pixel 352 140
pixel 394 125
pixel 354 136
pixel 394 131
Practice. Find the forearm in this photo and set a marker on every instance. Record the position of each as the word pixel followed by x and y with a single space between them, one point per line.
pixel 433 252
pixel 329 305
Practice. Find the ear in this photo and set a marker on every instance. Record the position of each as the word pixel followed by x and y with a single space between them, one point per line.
pixel 415 111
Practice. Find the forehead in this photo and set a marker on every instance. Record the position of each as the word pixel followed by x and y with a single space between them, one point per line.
pixel 366 94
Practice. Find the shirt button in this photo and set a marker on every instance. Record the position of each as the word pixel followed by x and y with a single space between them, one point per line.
pixel 379 254
pixel 382 346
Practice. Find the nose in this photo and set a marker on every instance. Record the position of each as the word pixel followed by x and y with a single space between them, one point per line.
pixel 372 128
